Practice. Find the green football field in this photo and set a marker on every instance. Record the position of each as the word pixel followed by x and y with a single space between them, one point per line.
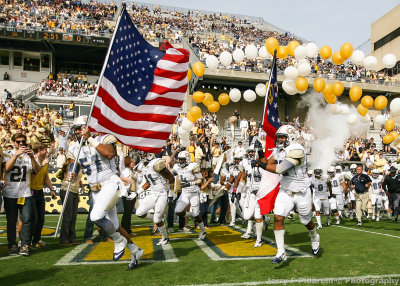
pixel 350 255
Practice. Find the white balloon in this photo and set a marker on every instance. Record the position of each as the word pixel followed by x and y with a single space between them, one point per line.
pixel 238 55
pixel 251 52
pixel 389 61
pixel 225 58
pixel 380 119
pixel 345 109
pixel 291 72
pixel 289 86
pixel 300 52
pixel 357 57
pixel 335 108
pixel 187 124
pixel 365 118
pixel 370 63
pixel 312 50
pixel 261 90
pixel 185 142
pixel 395 106
pixel 351 119
pixel 235 95
pixel 183 133
pixel 263 53
pixel 212 63
pixel 304 69
pixel 249 95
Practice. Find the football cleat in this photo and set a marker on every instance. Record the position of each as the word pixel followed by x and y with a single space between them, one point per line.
pixel 315 245
pixel 246 235
pixel 232 224
pixel 377 219
pixel 337 221
pixel 328 221
pixel 258 243
pixel 279 259
pixel 359 223
pixel 319 227
pixel 163 241
pixel 202 235
pixel 171 230
pixel 119 248
pixel 135 258
pixel 373 217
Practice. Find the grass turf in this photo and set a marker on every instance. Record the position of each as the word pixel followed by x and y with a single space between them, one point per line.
pixel 345 253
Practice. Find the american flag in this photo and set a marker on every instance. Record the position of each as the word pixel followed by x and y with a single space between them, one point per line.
pixel 269 186
pixel 141 91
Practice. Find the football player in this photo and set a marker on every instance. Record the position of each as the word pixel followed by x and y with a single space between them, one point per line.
pixel 321 186
pixel 376 195
pixel 158 179
pixel 234 198
pixel 289 160
pixel 337 198
pixel 352 199
pixel 190 181
pixel 97 161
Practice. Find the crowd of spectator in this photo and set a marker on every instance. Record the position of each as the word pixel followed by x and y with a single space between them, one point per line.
pixel 92 17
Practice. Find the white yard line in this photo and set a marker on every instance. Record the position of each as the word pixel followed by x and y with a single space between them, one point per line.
pixel 362 230
pixel 9 257
pixel 369 279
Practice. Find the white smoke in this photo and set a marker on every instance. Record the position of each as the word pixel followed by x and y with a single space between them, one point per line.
pixel 330 127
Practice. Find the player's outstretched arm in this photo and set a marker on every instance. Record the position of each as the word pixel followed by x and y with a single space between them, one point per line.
pixel 107 149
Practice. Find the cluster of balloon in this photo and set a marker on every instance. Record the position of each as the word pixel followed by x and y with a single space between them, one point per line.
pixel 186 127
pixel 389 123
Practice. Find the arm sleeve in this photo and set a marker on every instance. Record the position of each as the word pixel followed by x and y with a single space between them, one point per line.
pixel 284 166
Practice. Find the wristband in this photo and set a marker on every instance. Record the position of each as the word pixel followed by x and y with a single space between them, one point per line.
pixel 93 142
pixel 140 190
pixel 234 190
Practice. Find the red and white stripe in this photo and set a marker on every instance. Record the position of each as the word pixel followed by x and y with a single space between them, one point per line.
pixel 148 126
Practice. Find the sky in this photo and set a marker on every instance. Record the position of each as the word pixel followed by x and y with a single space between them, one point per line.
pixel 324 22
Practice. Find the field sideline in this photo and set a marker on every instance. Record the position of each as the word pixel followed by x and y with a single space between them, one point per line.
pixel 224 259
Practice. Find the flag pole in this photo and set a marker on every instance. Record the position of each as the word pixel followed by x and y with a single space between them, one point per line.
pixel 268 88
pixel 123 7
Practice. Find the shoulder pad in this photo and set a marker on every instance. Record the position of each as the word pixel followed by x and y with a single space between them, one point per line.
pixel 296 154
pixel 159 165
pixel 241 169
pixel 69 155
pixel 109 139
pixel 196 169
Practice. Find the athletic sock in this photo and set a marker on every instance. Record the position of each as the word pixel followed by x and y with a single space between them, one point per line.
pixel 116 236
pixel 201 224
pixel 259 229
pixel 313 233
pixel 373 210
pixel 188 214
pixel 318 217
pixel 249 226
pixel 163 231
pixel 280 241
pixel 132 247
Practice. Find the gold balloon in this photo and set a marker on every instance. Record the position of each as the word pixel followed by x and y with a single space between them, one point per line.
pixel 346 50
pixel 292 46
pixel 223 99
pixel 338 88
pixel 271 44
pixel 355 93
pixel 337 58
pixel 362 109
pixel 301 83
pixel 190 117
pixel 208 99
pixel 198 69
pixel 196 112
pixel 367 101
pixel 325 52
pixel 213 106
pixel 319 85
pixel 387 139
pixel 282 52
pixel 389 125
pixel 380 102
pixel 189 74
pixel 328 89
pixel 198 96
pixel 330 98
pixel 394 134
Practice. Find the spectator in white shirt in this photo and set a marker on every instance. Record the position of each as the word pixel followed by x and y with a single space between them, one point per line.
pixel 244 126
pixel 239 150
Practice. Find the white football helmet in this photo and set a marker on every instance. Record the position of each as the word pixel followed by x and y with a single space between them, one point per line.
pixel 375 173
pixel 331 171
pixel 287 131
pixel 80 120
pixel 338 169
pixel 148 157
pixel 183 158
pixel 353 168
pixel 310 173
pixel 251 152
pixel 318 172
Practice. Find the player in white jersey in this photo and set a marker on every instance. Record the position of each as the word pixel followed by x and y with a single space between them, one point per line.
pixel 379 199
pixel 97 162
pixel 321 186
pixel 351 197
pixel 158 180
pixel 290 161
pixel 190 180
pixel 234 198
pixel 337 198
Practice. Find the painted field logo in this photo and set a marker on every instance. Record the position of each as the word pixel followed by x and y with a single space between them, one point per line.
pixel 221 243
